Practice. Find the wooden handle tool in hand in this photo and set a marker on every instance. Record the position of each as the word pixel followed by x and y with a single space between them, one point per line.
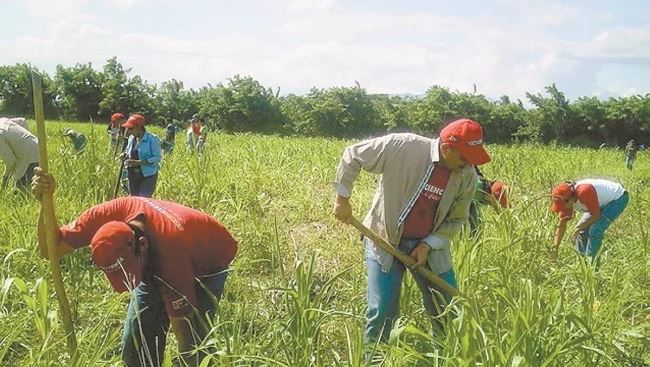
pixel 407 260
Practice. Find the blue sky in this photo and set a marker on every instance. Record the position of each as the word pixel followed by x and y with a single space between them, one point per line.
pixel 588 48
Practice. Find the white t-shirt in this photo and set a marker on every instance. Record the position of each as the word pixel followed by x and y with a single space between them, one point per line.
pixel 607 191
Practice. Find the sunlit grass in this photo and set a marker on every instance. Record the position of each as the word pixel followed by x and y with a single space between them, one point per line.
pixel 296 296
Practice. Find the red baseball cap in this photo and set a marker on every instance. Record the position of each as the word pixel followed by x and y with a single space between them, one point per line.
pixel 134 121
pixel 466 136
pixel 499 190
pixel 117 117
pixel 110 251
pixel 561 194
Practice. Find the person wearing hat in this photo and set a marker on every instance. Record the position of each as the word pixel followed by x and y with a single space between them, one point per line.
pixel 601 201
pixel 630 154
pixel 19 152
pixel 194 134
pixel 173 259
pixel 488 192
pixel 115 129
pixel 143 155
pixel 78 139
pixel 421 203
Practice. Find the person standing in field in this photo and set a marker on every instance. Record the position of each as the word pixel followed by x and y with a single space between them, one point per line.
pixel 630 154
pixel 78 139
pixel 173 259
pixel 202 135
pixel 493 193
pixel 115 129
pixel 19 152
pixel 601 201
pixel 170 137
pixel 143 155
pixel 421 203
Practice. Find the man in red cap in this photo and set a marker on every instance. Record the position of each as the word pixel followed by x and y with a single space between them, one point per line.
pixel 601 201
pixel 421 202
pixel 488 192
pixel 113 129
pixel 172 258
pixel 143 154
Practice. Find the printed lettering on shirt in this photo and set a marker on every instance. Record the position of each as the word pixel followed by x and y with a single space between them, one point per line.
pixel 163 211
pixel 432 192
pixel 179 303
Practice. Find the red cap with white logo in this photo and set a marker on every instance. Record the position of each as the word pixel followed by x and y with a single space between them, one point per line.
pixel 466 136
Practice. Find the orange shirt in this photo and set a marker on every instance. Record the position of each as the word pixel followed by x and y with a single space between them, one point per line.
pixel 420 220
pixel 187 243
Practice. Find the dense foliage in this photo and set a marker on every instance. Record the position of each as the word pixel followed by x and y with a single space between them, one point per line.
pixel 242 104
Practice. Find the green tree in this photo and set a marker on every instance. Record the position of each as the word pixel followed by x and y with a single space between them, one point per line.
pixel 79 91
pixel 16 96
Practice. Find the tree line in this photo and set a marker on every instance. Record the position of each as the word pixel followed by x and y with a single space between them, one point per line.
pixel 242 104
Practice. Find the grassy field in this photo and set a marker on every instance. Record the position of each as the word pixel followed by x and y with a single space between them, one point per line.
pixel 296 296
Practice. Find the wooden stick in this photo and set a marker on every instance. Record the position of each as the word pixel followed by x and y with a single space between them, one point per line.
pixel 407 260
pixel 49 218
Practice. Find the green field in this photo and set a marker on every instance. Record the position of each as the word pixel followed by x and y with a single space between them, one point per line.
pixel 296 296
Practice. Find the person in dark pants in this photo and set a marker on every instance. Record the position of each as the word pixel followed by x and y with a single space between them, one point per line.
pixel 173 259
pixel 143 155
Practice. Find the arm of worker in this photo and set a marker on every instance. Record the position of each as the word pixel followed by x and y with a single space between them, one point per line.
pixel 155 151
pixel 589 197
pixel 43 183
pixel 182 328
pixel 559 234
pixel 371 155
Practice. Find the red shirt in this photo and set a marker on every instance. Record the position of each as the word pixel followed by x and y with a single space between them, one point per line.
pixel 420 220
pixel 187 243
pixel 588 197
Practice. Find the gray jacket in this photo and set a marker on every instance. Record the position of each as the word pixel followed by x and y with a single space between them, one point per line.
pixel 18 149
pixel 405 162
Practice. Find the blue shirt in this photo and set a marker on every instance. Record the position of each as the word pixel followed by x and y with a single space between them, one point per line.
pixel 148 150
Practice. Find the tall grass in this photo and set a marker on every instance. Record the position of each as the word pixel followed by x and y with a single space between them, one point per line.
pixel 296 295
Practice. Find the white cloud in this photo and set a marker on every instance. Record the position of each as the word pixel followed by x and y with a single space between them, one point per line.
pixel 621 43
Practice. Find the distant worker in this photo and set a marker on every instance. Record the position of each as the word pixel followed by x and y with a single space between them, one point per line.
pixel 78 139
pixel 601 201
pixel 630 154
pixel 115 129
pixel 143 155
pixel 493 193
pixel 202 136
pixel 19 152
pixel 170 137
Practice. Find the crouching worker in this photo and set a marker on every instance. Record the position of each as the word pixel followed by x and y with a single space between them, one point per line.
pixel 492 193
pixel 173 259
pixel 601 201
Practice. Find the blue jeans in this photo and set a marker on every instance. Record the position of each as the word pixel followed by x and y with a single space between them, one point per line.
pixel 145 328
pixel 140 185
pixel 384 293
pixel 589 241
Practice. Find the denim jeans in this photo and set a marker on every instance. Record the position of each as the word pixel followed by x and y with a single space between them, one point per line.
pixel 384 293
pixel 589 241
pixel 145 329
pixel 140 185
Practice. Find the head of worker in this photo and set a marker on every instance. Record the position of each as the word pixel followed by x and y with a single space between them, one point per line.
pixel 135 125
pixel 121 251
pixel 461 144
pixel 564 197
